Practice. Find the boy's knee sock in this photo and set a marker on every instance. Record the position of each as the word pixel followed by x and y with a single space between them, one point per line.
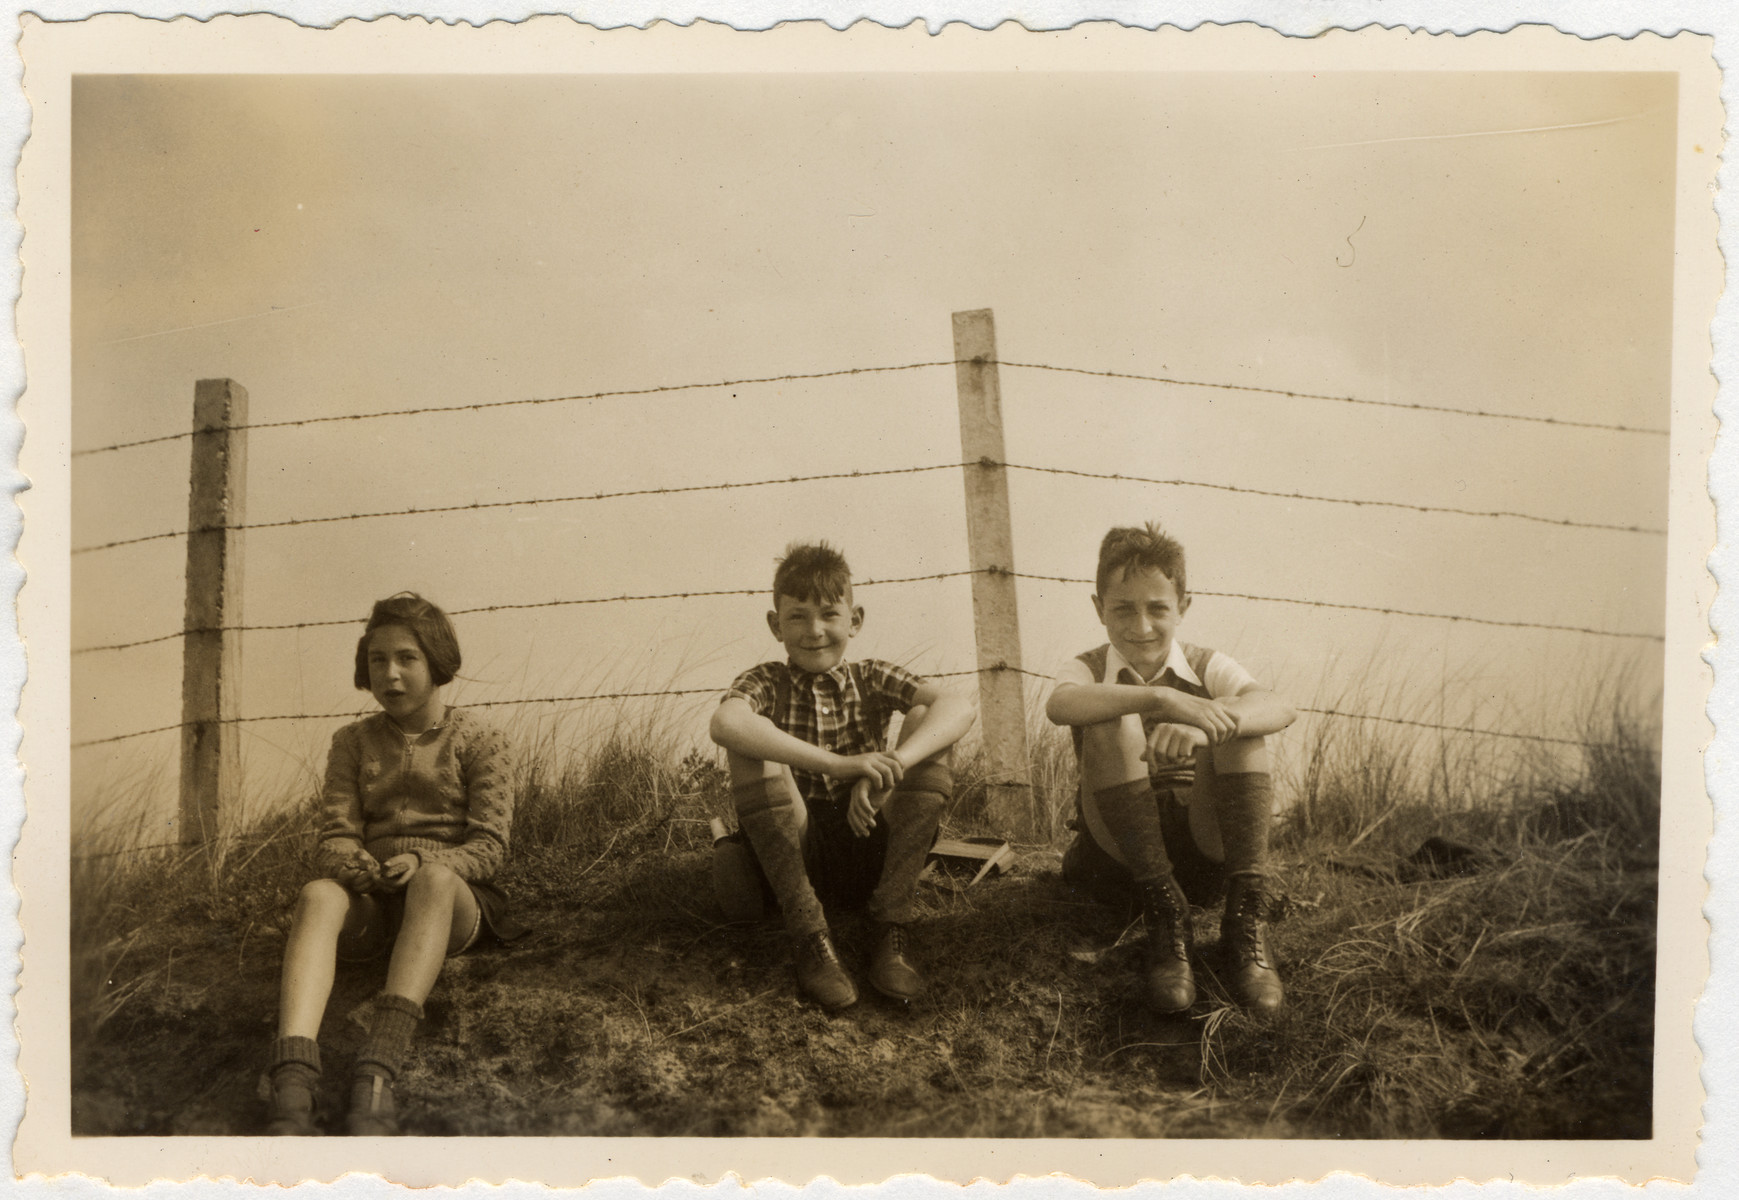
pixel 1244 804
pixel 1131 813
pixel 764 810
pixel 389 1035
pixel 912 818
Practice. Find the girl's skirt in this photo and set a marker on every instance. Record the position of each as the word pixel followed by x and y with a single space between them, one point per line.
pixel 384 912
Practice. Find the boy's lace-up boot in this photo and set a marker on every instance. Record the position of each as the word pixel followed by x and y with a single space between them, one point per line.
pixel 1171 985
pixel 820 974
pixel 1243 938
pixel 891 972
pixel 294 1074
pixel 373 1111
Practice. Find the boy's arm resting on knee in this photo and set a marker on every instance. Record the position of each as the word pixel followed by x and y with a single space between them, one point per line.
pixel 950 715
pixel 741 730
pixel 1260 712
pixel 1093 703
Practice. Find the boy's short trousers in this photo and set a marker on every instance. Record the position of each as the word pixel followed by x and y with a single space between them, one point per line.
pixel 1090 870
pixel 842 867
pixel 381 928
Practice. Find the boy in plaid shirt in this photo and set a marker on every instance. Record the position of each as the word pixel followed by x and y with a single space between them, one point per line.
pixel 824 807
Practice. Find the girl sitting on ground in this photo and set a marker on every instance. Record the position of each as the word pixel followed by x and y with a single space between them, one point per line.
pixel 414 823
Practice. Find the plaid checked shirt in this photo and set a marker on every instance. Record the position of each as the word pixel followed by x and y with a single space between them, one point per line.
pixel 846 711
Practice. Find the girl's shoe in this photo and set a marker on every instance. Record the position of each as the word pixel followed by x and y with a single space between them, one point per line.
pixel 372 1111
pixel 294 1074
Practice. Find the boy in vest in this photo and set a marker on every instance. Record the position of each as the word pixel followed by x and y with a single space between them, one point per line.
pixel 1173 768
pixel 825 808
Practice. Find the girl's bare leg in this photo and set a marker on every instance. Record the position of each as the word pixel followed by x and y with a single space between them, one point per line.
pixel 324 910
pixel 440 912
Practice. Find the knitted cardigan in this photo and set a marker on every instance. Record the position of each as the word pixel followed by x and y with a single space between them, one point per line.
pixel 445 795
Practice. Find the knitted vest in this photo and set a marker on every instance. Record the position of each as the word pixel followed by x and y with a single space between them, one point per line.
pixel 1178 775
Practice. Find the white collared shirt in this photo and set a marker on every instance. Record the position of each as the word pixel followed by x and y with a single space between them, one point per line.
pixel 1225 678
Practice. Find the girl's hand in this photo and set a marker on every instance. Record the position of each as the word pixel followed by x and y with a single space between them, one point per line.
pixel 866 802
pixel 1170 743
pixel 882 770
pixel 360 872
pixel 398 871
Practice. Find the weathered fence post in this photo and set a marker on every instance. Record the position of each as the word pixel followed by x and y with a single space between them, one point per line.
pixel 210 749
pixel 990 546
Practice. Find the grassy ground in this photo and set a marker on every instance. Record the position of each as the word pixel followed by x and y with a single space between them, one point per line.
pixel 1503 993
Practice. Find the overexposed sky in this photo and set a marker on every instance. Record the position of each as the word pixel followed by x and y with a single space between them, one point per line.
pixel 337 245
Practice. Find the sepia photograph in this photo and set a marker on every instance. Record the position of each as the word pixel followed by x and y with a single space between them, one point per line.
pixel 868 603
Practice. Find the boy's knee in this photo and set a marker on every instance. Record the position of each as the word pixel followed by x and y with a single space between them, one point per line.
pixel 1116 740
pixel 1241 756
pixel 761 793
pixel 743 769
pixel 932 775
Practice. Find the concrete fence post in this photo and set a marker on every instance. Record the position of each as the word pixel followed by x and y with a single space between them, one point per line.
pixel 990 545
pixel 211 749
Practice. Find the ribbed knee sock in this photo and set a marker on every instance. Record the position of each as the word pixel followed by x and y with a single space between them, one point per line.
pixel 912 817
pixel 766 815
pixel 1244 804
pixel 295 1058
pixel 389 1035
pixel 1131 813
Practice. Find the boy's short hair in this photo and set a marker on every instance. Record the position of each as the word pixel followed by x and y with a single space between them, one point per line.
pixel 812 571
pixel 427 623
pixel 1140 548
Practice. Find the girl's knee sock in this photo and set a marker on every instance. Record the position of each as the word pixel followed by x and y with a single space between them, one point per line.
pixel 765 813
pixel 912 817
pixel 296 1057
pixel 389 1035
pixel 1244 804
pixel 1131 813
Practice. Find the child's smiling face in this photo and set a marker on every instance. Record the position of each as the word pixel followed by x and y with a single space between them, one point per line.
pixel 398 677
pixel 1141 610
pixel 815 632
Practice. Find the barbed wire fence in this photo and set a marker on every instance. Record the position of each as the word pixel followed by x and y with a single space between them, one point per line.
pixel 993 573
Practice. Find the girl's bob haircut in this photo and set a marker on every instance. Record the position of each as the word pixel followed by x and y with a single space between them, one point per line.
pixel 427 623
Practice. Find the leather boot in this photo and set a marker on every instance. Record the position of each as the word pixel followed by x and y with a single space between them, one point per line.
pixel 294 1074
pixel 1171 986
pixel 819 973
pixel 1244 941
pixel 373 1112
pixel 891 972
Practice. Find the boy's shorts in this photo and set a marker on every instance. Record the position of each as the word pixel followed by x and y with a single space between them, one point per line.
pixel 842 867
pixel 1090 870
pixel 381 925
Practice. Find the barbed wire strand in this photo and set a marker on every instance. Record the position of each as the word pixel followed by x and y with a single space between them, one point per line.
pixel 482 505
pixel 1370 608
pixel 492 608
pixel 1423 508
pixel 427 410
pixel 713 691
pixel 1271 391
pixel 436 409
